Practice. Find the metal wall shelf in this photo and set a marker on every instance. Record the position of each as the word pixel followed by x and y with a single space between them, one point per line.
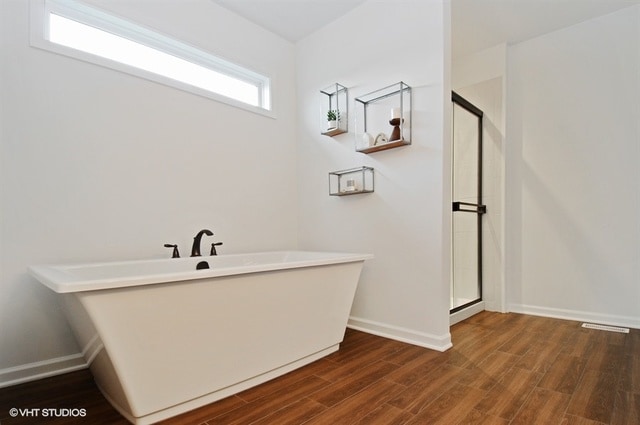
pixel 352 181
pixel 334 99
pixel 383 118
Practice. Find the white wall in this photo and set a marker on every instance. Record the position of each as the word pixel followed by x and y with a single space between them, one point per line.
pixel 101 165
pixel 403 292
pixel 573 180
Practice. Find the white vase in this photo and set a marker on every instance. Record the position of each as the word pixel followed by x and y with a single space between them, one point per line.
pixel 367 140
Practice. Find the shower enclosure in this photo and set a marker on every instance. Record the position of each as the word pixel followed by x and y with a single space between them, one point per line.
pixel 466 280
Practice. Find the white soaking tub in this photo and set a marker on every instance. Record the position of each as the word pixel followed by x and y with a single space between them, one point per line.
pixel 162 338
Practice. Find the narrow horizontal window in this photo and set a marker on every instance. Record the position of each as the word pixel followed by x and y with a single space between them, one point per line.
pixel 92 35
pixel 101 43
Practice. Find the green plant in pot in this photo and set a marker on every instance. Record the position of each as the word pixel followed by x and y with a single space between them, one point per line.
pixel 333 116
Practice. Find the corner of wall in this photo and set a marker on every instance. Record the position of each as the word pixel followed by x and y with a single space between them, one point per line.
pixel 410 336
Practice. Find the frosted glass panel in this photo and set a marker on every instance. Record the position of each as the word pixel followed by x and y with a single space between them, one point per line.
pixel 465 155
pixel 465 259
pixel 465 286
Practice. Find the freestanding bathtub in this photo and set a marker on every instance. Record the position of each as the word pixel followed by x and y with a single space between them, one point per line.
pixel 162 338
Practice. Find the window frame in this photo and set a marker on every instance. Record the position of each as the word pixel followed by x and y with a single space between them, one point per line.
pixel 91 16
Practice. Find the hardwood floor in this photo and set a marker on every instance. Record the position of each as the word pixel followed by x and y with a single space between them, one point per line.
pixel 503 369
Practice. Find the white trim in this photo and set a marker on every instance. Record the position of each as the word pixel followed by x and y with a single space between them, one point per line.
pixel 40 9
pixel 52 367
pixel 91 350
pixel 578 316
pixel 410 336
pixel 39 370
pixel 464 314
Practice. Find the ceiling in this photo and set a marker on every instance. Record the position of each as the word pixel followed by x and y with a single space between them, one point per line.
pixel 476 24
pixel 291 19
pixel 480 24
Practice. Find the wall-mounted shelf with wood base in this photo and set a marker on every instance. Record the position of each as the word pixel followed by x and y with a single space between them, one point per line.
pixel 351 182
pixel 334 101
pixel 384 147
pixel 382 115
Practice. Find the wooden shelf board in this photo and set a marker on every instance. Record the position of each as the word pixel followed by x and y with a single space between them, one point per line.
pixel 355 192
pixel 385 146
pixel 333 132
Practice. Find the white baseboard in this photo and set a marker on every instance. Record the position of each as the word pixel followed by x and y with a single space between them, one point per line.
pixel 38 370
pixel 461 315
pixel 434 342
pixel 578 316
pixel 58 366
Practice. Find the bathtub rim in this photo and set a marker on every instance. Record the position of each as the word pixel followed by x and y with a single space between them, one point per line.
pixel 58 278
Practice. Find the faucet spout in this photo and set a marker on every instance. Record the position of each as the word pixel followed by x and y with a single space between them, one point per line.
pixel 195 249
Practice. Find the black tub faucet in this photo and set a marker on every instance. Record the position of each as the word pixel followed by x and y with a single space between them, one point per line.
pixel 175 253
pixel 195 249
pixel 213 248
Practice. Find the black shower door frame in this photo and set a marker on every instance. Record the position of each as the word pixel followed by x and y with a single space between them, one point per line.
pixel 466 207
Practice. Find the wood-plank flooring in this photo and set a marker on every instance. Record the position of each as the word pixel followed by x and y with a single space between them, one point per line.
pixel 503 369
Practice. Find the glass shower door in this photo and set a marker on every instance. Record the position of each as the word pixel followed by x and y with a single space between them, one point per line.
pixel 466 285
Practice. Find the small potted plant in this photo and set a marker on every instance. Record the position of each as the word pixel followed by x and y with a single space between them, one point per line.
pixel 333 116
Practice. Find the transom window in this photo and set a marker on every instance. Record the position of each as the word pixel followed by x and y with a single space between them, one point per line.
pixel 86 33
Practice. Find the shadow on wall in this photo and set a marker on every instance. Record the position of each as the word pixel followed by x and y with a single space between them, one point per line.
pixel 575 253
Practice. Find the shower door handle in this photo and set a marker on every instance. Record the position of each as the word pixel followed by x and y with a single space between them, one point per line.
pixel 469 207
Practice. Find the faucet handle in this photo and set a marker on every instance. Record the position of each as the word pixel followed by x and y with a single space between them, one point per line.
pixel 213 248
pixel 175 253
